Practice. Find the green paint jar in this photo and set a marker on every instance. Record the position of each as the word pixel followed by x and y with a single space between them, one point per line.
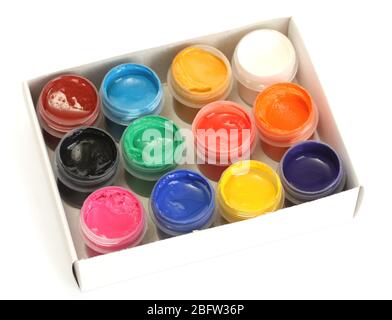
pixel 151 146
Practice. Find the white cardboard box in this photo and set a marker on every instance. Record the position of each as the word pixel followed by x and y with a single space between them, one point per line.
pixel 152 255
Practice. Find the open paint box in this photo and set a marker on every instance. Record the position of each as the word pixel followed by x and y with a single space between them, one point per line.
pixel 154 254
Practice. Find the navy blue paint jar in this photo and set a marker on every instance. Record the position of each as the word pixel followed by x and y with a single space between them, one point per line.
pixel 181 202
pixel 311 170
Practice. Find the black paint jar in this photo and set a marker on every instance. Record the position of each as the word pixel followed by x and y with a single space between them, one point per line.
pixel 86 160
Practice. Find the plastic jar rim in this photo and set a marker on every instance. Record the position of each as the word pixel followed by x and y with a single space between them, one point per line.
pixel 173 233
pixel 235 216
pixel 209 108
pixel 298 199
pixel 134 235
pixel 286 138
pixel 62 171
pixel 258 83
pixel 335 183
pixel 271 206
pixel 110 110
pixel 203 215
pixel 129 161
pixel 197 101
pixel 66 126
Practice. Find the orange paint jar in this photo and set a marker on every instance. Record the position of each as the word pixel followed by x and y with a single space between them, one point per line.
pixel 284 114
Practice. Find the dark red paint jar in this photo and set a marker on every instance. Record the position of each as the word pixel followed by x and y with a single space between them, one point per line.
pixel 67 102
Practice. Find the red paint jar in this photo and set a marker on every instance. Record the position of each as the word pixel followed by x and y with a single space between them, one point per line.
pixel 224 133
pixel 68 102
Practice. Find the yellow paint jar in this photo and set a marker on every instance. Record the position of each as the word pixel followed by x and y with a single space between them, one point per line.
pixel 248 189
pixel 200 74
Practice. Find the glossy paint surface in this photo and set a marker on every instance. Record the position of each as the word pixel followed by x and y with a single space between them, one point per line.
pixel 88 153
pixel 224 131
pixel 69 97
pixel 182 201
pixel 266 53
pixel 113 213
pixel 226 116
pixel 129 91
pixel 283 108
pixel 155 135
pixel 250 187
pixel 311 166
pixel 197 70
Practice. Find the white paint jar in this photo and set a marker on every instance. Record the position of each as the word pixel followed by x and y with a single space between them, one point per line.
pixel 262 58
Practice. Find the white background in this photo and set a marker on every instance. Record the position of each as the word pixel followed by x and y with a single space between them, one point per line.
pixel 350 44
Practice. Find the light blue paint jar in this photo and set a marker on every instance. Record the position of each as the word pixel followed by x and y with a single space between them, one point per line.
pixel 129 91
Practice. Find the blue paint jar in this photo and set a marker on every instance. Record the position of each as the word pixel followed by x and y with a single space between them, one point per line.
pixel 129 91
pixel 311 170
pixel 181 202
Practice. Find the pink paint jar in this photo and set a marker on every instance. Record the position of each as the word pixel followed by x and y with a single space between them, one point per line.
pixel 112 219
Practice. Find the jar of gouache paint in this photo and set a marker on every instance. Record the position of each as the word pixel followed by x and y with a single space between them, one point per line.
pixel 112 219
pixel 67 102
pixel 85 160
pixel 128 92
pixel 181 202
pixel 311 170
pixel 224 133
pixel 285 114
pixel 248 189
pixel 150 147
pixel 263 57
pixel 199 75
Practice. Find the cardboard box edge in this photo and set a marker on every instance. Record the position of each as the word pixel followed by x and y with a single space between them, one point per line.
pixel 49 174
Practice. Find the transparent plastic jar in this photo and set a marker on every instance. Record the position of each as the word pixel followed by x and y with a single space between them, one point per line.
pixel 67 102
pixel 199 74
pixel 285 114
pixel 311 170
pixel 129 91
pixel 181 202
pixel 142 139
pixel 216 153
pixel 234 130
pixel 248 189
pixel 85 160
pixel 112 219
pixel 262 58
